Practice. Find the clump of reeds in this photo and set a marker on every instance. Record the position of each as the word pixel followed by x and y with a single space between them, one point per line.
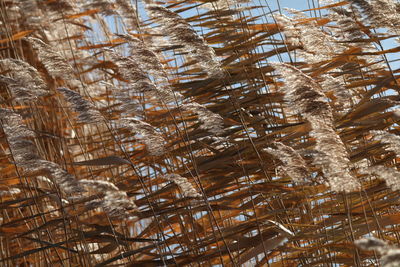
pixel 194 86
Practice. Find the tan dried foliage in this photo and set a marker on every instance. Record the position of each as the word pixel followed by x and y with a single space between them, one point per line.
pixel 169 138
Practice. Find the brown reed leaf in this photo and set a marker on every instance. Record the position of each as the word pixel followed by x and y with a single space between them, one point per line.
pixel 110 160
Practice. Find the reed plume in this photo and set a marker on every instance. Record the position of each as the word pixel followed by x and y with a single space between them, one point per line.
pixel 181 33
pixel 303 93
pixel 210 121
pixel 186 188
pixel 54 62
pixel 293 164
pixel 381 13
pixel 390 175
pixel 152 139
pixel 87 112
pixel 139 80
pixel 115 202
pixel 315 45
pixel 391 140
pixel 390 254
pixel 26 82
pixel 25 153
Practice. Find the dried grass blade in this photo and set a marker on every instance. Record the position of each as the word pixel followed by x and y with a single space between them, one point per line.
pixel 110 160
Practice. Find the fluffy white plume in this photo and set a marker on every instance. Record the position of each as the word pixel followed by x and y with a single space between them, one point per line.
pixel 306 96
pixel 181 33
pixel 185 186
